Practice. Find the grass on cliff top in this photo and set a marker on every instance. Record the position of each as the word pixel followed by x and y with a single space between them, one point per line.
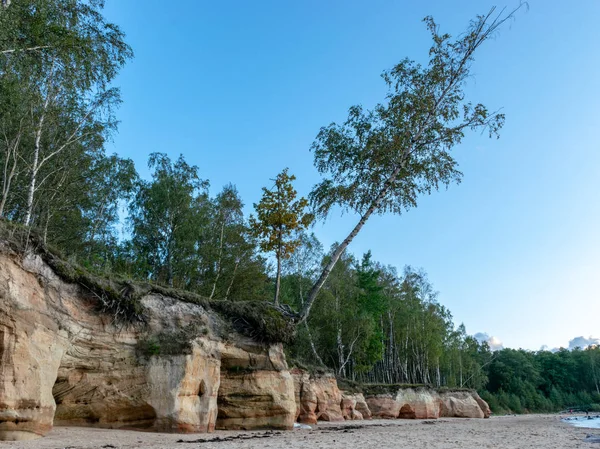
pixel 374 389
pixel 391 389
pixel 310 368
pixel 121 298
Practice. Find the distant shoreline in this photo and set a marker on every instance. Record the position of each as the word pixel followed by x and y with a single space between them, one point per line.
pixel 591 421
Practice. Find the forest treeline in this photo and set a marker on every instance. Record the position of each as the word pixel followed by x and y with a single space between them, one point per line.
pixel 368 323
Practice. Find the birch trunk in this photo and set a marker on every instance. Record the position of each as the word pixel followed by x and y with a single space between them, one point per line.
pixel 37 148
pixel 219 261
pixel 34 168
pixel 342 247
pixel 237 263
pixel 9 173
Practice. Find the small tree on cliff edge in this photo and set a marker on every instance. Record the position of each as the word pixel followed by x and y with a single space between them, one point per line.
pixel 279 218
pixel 381 160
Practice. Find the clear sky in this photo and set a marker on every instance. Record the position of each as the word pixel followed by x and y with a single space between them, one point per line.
pixel 241 88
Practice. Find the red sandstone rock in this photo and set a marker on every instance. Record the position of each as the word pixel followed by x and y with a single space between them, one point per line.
pixel 460 404
pixel 485 408
pixel 317 397
pixel 354 407
pixel 383 406
pixel 418 403
pixel 426 403
pixel 256 400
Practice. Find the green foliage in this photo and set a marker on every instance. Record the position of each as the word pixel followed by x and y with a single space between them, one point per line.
pixel 524 381
pixel 166 216
pixel 371 325
pixel 57 61
pixel 279 215
pixel 279 219
pixel 171 342
pixel 382 160
pixel 59 58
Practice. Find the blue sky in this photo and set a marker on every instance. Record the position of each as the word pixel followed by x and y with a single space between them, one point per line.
pixel 241 89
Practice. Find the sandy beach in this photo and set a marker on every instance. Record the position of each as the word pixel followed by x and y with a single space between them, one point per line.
pixel 507 432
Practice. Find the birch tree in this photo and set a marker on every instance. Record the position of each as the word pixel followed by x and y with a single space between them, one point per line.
pixel 69 78
pixel 381 160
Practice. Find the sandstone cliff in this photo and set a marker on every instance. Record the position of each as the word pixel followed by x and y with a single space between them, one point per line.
pixel 68 357
pixel 422 402
pixel 83 351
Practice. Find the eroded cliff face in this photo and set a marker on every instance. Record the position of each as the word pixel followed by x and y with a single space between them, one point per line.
pixel 255 392
pixel 427 403
pixel 64 363
pixel 185 369
pixel 318 398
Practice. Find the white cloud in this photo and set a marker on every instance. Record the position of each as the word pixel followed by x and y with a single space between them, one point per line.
pixel 494 342
pixel 582 342
pixel 548 348
pixel 577 342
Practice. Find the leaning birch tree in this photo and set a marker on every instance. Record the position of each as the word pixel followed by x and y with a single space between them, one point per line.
pixel 381 160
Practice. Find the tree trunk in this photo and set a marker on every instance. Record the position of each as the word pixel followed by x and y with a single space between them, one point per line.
pixel 169 259
pixel 342 247
pixel 219 262
pixel 312 344
pixel 8 174
pixel 34 170
pixel 340 344
pixel 36 151
pixel 278 279
pixel 48 217
pixel 237 262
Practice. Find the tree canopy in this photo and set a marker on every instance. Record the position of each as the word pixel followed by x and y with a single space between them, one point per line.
pixel 279 219
pixel 381 160
pixel 368 322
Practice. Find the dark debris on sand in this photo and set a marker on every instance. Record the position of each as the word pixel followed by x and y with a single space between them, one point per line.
pixel 232 438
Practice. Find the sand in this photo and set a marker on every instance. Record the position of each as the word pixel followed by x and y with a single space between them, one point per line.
pixel 506 432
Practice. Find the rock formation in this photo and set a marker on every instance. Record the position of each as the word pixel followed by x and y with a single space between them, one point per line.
pixel 317 397
pixel 425 403
pixel 69 356
pixel 63 362
pixel 256 391
pixel 354 406
pixel 460 404
pixel 418 403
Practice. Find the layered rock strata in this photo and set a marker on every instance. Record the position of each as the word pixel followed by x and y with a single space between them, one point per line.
pixel 255 392
pixel 185 369
pixel 427 403
pixel 318 397
pixel 64 363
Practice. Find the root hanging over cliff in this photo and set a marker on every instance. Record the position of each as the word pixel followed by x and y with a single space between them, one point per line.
pixel 120 298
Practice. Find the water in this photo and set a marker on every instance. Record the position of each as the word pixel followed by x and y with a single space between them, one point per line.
pixel 593 422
